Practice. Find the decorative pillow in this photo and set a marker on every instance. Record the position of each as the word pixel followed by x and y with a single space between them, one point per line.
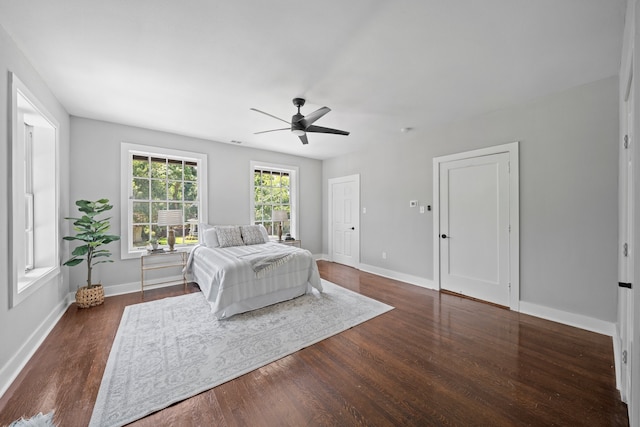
pixel 209 235
pixel 229 235
pixel 253 235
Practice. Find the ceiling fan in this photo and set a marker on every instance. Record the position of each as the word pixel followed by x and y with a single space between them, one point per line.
pixel 300 124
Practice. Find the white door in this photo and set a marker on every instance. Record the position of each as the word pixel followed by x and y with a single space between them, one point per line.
pixel 474 227
pixel 625 266
pixel 344 218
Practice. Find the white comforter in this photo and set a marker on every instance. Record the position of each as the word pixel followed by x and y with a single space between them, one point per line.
pixel 230 284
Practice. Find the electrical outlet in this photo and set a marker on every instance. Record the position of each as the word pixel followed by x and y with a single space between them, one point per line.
pixel 364 210
pixel 421 209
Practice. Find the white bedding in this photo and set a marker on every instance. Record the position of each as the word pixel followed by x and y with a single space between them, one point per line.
pixel 231 285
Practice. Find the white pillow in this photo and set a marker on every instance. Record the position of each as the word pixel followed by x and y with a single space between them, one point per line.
pixel 253 234
pixel 229 235
pixel 209 235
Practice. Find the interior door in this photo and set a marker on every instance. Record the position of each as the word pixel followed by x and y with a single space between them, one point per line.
pixel 344 212
pixel 474 227
pixel 625 273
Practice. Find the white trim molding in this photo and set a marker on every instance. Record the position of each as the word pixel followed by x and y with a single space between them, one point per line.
pixel 514 213
pixel 571 319
pixel 401 277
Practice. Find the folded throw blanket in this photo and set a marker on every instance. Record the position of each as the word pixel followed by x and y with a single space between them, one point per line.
pixel 262 262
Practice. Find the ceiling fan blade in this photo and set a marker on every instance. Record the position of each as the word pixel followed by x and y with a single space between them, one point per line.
pixel 270 115
pixel 304 139
pixel 312 117
pixel 272 130
pixel 320 129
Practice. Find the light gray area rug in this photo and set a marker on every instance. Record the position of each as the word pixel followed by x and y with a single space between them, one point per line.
pixel 168 350
pixel 40 420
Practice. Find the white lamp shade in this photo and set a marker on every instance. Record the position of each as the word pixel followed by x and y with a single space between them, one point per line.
pixel 170 217
pixel 280 216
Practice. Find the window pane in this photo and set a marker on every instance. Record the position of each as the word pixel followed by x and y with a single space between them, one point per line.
pixel 140 235
pixel 140 212
pixel 266 179
pixel 190 212
pixel 178 206
pixel 190 171
pixel 140 188
pixel 140 166
pixel 158 190
pixel 158 168
pixel 159 233
pixel 174 169
pixel 190 191
pixel 174 191
pixel 155 207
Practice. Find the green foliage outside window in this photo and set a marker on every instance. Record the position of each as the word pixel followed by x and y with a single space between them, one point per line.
pixel 272 191
pixel 160 183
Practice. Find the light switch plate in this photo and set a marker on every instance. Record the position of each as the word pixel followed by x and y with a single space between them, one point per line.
pixel 413 203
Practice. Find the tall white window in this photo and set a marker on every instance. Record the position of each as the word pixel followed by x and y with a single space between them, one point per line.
pixel 155 179
pixel 33 227
pixel 274 188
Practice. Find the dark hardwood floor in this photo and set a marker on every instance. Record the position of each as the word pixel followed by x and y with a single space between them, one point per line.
pixel 436 359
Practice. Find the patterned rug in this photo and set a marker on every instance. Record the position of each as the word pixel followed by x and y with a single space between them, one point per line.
pixel 168 350
pixel 39 420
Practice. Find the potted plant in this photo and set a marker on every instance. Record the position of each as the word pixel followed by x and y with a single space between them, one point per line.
pixel 93 233
pixel 153 242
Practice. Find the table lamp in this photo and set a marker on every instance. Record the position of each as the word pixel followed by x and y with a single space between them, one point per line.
pixel 170 218
pixel 280 217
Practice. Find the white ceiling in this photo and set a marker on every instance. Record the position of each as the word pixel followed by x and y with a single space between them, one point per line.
pixel 195 67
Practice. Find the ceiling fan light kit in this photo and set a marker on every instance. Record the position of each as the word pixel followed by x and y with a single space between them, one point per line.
pixel 300 124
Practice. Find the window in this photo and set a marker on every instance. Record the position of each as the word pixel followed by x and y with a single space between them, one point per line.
pixel 274 188
pixel 157 179
pixel 34 194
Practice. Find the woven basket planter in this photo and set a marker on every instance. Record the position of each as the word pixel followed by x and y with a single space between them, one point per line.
pixel 86 298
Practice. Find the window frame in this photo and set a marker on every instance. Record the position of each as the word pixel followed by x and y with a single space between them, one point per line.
pixel 46 266
pixel 293 172
pixel 127 152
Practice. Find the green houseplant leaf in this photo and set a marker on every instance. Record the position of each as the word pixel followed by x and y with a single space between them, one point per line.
pixel 92 232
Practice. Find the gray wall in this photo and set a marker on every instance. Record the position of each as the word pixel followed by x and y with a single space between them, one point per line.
pixel 95 155
pixel 19 323
pixel 568 195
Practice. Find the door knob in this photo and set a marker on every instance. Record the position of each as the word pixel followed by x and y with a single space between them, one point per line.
pixel 444 236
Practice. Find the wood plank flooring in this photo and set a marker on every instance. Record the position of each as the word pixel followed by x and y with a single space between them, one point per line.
pixel 435 360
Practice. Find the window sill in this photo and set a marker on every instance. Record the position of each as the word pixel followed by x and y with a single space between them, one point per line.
pixel 32 281
pixel 136 253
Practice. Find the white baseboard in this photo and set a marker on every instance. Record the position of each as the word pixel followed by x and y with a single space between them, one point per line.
pixel 617 350
pixel 571 319
pixel 10 371
pixel 560 316
pixel 319 257
pixel 402 277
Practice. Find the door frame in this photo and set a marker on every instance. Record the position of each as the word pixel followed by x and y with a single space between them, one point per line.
pixel 330 182
pixel 623 341
pixel 514 213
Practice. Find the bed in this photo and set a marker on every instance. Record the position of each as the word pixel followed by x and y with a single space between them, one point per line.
pixel 238 269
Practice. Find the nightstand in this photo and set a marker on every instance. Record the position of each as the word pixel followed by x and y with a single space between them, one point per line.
pixel 295 243
pixel 159 260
